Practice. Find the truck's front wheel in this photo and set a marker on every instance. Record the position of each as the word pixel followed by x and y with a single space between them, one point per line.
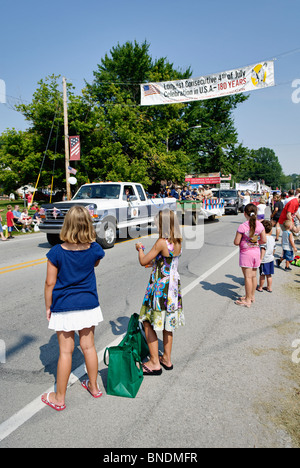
pixel 53 239
pixel 106 236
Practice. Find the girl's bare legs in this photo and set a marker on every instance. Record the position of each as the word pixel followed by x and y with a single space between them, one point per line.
pixel 168 342
pixel 152 340
pixel 66 347
pixel 277 231
pixel 250 284
pixel 87 345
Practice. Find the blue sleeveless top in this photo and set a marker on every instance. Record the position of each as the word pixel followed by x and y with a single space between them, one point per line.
pixel 76 287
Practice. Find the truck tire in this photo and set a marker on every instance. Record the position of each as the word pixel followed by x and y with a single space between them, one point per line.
pixel 106 236
pixel 53 239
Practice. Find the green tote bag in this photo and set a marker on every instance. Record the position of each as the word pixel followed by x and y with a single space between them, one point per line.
pixel 135 338
pixel 125 372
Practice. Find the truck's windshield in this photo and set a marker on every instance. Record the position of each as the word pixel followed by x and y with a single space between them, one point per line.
pixel 111 191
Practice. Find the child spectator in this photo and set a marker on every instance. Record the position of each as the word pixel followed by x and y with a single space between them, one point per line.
pixel 288 246
pixel 162 305
pixel 10 221
pixel 266 268
pixel 249 237
pixel 261 208
pixel 72 301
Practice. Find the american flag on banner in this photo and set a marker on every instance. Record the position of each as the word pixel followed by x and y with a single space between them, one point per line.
pixel 74 148
pixel 150 89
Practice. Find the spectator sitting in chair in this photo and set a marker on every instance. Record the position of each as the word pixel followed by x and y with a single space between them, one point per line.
pixel 35 206
pixel 17 214
pixel 26 220
pixel 37 217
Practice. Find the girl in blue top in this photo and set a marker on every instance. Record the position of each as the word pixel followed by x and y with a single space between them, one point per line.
pixel 72 301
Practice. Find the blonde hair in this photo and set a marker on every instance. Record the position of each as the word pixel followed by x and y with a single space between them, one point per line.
pixel 287 224
pixel 78 227
pixel 168 226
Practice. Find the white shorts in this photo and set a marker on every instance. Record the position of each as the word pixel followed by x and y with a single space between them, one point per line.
pixel 75 320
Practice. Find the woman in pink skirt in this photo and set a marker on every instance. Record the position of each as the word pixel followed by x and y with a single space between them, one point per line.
pixel 250 235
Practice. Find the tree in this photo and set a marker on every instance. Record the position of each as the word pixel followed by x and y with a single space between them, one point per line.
pixel 144 135
pixel 211 148
pixel 18 159
pixel 266 167
pixel 45 114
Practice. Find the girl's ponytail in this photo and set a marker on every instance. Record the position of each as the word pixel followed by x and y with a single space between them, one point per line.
pixel 251 211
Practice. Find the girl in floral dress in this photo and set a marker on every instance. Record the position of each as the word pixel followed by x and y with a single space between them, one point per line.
pixel 162 305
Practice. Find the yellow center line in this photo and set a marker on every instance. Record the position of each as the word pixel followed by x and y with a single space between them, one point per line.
pixel 40 261
pixel 21 266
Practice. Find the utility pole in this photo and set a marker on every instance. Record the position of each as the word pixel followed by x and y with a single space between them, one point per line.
pixel 66 127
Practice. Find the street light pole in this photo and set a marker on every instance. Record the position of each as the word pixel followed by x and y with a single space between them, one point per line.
pixel 66 130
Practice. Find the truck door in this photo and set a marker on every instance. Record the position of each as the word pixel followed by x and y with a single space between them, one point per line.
pixel 130 210
pixel 136 203
pixel 142 203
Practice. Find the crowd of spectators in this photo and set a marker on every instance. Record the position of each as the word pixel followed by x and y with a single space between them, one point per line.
pixel 185 192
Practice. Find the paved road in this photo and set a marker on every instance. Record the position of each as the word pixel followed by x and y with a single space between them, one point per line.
pixel 231 380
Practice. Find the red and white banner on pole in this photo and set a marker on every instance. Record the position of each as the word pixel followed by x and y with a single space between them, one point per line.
pixel 236 81
pixel 74 148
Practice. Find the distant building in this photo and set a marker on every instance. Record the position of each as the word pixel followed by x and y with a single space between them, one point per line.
pixel 253 186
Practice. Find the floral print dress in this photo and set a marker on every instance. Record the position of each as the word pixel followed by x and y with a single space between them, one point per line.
pixel 162 305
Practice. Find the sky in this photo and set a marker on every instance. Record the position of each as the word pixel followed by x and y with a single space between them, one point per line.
pixel 69 38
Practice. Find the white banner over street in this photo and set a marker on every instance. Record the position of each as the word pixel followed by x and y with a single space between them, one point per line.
pixel 236 81
pixel 2 92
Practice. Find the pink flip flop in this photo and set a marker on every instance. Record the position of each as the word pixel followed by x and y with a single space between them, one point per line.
pixel 148 371
pixel 85 385
pixel 52 405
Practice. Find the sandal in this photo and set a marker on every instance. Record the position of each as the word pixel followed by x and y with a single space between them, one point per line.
pixel 164 365
pixel 52 405
pixel 85 384
pixel 147 371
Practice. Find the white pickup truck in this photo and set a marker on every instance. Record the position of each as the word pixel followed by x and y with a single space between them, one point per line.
pixel 114 207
